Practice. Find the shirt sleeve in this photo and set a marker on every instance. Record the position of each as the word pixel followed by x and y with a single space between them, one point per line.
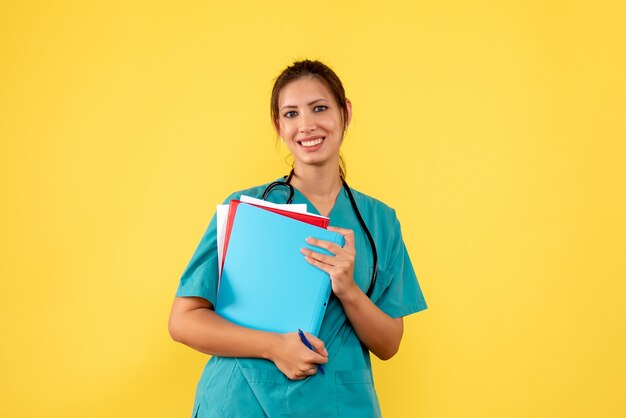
pixel 201 276
pixel 403 294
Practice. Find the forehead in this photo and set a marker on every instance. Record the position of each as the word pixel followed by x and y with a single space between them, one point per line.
pixel 304 90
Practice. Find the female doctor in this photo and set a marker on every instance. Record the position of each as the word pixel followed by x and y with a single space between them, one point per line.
pixel 260 374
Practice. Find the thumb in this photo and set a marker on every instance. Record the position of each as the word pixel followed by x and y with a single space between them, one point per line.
pixel 348 235
pixel 317 344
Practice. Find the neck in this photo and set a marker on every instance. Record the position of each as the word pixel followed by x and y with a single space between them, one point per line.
pixel 314 182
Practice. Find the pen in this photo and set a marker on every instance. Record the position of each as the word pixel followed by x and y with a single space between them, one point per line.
pixel 310 347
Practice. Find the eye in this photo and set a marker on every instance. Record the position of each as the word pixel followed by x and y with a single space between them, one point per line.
pixel 320 108
pixel 290 114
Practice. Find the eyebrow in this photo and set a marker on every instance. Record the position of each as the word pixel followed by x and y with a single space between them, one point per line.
pixel 308 104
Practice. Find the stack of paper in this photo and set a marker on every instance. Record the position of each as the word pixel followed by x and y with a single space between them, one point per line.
pixel 222 216
pixel 266 283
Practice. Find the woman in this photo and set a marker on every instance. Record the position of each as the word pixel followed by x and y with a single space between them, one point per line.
pixel 255 373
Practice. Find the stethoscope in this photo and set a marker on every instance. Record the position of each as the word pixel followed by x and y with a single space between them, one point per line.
pixel 287 183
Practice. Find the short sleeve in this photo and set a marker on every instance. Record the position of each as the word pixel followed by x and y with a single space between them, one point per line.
pixel 201 276
pixel 403 295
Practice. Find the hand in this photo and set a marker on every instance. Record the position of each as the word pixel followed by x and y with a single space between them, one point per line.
pixel 340 267
pixel 294 359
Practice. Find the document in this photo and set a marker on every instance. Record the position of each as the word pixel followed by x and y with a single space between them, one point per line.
pixel 266 283
pixel 310 218
pixel 222 216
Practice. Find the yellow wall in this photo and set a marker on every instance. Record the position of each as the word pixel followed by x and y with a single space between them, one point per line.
pixel 495 128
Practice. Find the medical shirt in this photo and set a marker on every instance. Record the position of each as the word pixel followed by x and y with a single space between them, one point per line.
pixel 252 387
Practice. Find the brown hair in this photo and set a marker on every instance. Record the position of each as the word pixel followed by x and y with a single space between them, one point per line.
pixel 323 73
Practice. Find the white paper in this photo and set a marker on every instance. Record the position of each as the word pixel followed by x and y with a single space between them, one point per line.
pixel 292 207
pixel 222 217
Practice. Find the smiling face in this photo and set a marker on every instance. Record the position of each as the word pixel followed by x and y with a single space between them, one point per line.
pixel 310 122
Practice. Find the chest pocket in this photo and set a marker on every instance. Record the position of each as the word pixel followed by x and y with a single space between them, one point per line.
pixel 363 266
pixel 363 276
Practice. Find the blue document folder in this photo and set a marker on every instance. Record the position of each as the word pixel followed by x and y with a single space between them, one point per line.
pixel 266 283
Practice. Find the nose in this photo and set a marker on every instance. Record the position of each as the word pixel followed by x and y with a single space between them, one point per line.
pixel 307 123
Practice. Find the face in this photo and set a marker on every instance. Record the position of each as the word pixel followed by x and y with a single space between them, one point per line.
pixel 310 122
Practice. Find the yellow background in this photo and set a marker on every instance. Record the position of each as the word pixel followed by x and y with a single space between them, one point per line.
pixel 496 129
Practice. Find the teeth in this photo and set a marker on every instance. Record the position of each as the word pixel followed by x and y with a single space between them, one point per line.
pixel 312 142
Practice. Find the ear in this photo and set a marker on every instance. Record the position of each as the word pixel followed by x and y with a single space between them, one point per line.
pixel 349 106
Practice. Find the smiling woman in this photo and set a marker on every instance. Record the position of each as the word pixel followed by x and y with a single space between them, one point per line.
pixel 322 84
pixel 258 374
pixel 311 122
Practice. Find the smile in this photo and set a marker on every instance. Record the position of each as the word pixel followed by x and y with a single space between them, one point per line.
pixel 311 142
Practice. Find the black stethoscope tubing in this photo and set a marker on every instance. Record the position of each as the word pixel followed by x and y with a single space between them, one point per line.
pixel 286 183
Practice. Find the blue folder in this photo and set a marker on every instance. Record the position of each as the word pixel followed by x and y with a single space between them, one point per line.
pixel 266 283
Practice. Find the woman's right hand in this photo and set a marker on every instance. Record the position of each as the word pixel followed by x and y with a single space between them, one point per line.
pixel 294 359
pixel 194 322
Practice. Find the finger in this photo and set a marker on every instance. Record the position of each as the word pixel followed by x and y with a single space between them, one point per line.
pixel 348 235
pixel 327 245
pixel 322 266
pixel 299 375
pixel 320 359
pixel 317 344
pixel 342 231
pixel 322 258
pixel 314 358
pixel 308 371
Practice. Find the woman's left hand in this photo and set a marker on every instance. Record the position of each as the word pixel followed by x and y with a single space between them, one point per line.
pixel 340 267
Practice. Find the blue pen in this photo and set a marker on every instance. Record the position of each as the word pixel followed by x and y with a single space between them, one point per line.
pixel 310 347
